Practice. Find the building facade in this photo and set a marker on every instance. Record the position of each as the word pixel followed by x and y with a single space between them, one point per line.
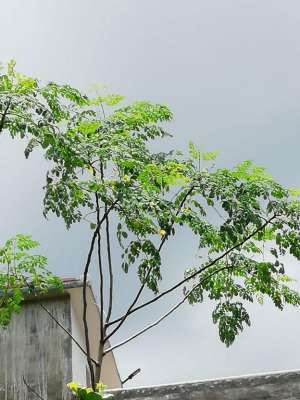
pixel 36 352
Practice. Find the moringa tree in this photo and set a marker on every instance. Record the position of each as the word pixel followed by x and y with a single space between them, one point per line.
pixel 102 165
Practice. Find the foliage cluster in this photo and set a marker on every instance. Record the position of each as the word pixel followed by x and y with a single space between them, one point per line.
pixel 22 273
pixel 84 393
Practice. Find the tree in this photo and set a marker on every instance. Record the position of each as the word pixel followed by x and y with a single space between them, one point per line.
pixel 102 166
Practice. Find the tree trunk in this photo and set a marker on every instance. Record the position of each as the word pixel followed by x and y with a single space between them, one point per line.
pixel 100 361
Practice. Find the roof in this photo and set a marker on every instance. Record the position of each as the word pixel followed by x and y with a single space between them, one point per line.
pixel 269 386
pixel 71 283
pixel 68 283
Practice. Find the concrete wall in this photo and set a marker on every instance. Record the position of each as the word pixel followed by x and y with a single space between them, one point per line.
pixel 46 365
pixel 276 386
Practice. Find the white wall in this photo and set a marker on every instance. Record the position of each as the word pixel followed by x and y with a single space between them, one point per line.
pixel 110 375
pixel 78 358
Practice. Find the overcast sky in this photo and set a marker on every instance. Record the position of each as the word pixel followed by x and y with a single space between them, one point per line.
pixel 229 70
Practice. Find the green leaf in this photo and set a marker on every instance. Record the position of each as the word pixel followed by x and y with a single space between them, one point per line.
pixel 193 151
pixel 295 192
pixel 209 156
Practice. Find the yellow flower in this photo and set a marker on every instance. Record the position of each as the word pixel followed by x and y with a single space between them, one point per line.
pixel 100 387
pixel 162 232
pixel 73 386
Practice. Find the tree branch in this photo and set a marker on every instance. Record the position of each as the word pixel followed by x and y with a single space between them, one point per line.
pixel 100 268
pixel 111 277
pixel 100 346
pixel 84 296
pixel 85 325
pixel 64 329
pixel 267 221
pixel 31 389
pixel 67 332
pixel 2 121
pixel 177 305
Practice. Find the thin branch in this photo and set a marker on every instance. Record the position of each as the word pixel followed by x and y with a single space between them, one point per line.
pixel 177 305
pixel 102 108
pixel 268 221
pixel 100 346
pixel 84 316
pixel 84 296
pixel 102 331
pixel 146 328
pixel 31 389
pixel 150 269
pixel 67 332
pixel 111 277
pixel 100 267
pixel 63 328
pixel 89 213
pixel 131 376
pixel 2 121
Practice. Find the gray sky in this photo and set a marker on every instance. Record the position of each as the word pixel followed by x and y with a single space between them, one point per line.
pixel 230 72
